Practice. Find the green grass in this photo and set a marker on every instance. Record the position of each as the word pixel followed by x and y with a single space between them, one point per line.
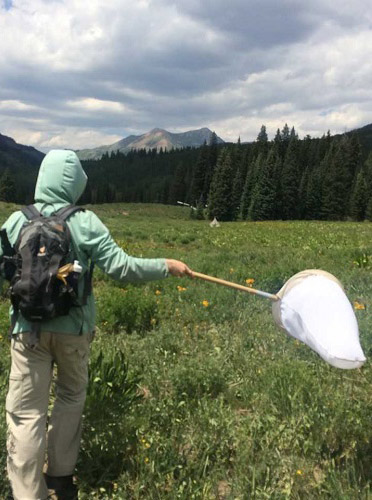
pixel 195 402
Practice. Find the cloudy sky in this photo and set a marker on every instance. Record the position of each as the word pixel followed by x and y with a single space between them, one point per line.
pixel 82 73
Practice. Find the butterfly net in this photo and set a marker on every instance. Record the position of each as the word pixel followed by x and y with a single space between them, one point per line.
pixel 314 309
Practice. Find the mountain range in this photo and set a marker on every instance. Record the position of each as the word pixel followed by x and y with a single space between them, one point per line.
pixel 156 138
pixel 14 154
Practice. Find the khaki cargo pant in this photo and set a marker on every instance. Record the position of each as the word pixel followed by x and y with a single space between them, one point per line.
pixel 29 432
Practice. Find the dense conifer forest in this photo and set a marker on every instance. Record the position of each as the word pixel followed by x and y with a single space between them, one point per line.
pixel 328 178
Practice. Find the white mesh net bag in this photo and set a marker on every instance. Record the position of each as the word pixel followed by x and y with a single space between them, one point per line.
pixel 314 309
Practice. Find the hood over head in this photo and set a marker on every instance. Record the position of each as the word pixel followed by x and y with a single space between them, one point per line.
pixel 61 178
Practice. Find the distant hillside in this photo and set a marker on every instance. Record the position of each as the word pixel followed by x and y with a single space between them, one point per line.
pixel 11 152
pixel 365 137
pixel 23 163
pixel 156 138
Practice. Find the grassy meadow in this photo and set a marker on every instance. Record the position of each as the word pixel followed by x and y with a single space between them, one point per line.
pixel 195 393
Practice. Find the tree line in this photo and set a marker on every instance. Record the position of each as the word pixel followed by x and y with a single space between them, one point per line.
pixel 327 178
pixel 288 178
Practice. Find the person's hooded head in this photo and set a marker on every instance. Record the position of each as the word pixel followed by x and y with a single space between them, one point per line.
pixel 61 178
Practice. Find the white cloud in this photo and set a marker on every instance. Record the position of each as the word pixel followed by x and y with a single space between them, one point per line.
pixel 97 105
pixel 14 105
pixel 75 137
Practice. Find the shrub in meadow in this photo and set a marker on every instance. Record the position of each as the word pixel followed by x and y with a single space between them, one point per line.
pixel 126 309
pixel 109 431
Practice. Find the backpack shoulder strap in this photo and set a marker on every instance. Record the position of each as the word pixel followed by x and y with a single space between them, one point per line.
pixel 31 212
pixel 8 250
pixel 65 212
pixel 7 261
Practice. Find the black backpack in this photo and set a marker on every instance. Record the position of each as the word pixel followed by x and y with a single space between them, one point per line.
pixel 42 248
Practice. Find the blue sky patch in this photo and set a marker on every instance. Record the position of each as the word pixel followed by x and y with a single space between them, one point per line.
pixel 7 4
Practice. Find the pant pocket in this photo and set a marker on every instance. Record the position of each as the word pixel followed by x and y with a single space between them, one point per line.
pixel 14 397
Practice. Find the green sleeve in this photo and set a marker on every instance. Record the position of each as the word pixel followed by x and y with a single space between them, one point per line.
pixel 99 245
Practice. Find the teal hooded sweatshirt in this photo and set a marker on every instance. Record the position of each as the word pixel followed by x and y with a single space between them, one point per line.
pixel 61 181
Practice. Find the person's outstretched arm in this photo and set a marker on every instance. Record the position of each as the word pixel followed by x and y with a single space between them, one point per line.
pixel 96 241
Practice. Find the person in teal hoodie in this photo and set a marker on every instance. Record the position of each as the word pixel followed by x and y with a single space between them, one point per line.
pixel 63 342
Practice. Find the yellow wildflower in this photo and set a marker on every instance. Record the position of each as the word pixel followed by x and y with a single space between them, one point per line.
pixel 157 292
pixel 249 281
pixel 205 303
pixel 299 472
pixel 147 460
pixel 359 305
pixel 181 288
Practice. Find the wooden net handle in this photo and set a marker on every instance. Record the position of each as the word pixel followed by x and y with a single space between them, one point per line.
pixel 236 286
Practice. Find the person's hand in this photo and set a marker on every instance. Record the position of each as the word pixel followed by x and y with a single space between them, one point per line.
pixel 178 268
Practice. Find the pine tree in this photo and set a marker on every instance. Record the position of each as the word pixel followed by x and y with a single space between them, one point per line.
pixel 263 204
pixel 262 141
pixel 237 191
pixel 354 164
pixel 211 164
pixel 368 179
pixel 198 181
pixel 338 180
pixel 236 156
pixel 368 174
pixel 293 134
pixel 213 149
pixel 290 181
pixel 249 185
pixel 302 192
pixel 277 180
pixel 308 158
pixel 359 198
pixel 324 145
pixel 220 196
pixel 285 135
pixel 177 191
pixel 262 136
pixel 278 139
pixel 313 201
pixel 238 177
